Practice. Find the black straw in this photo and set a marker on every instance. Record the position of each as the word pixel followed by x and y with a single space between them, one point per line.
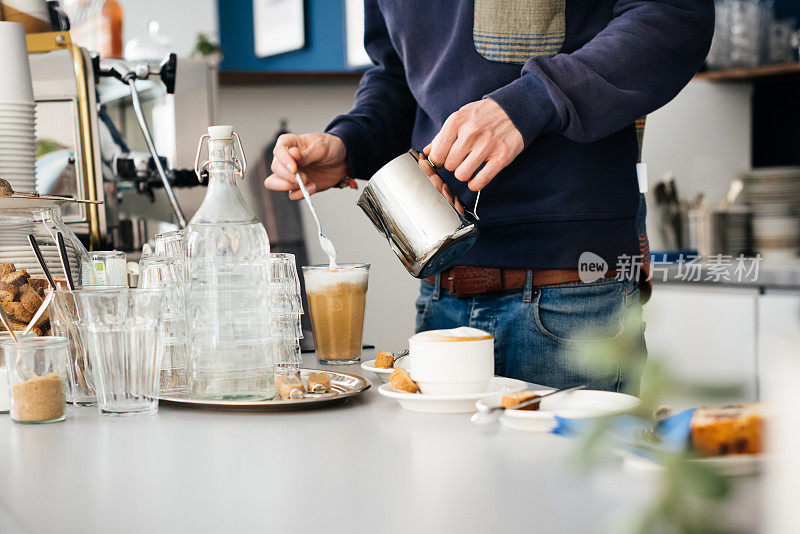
pixel 40 259
pixel 62 252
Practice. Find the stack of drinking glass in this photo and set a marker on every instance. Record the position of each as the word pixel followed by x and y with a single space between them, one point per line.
pixel 287 311
pixel 164 270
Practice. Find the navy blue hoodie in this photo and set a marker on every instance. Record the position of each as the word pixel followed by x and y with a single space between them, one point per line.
pixel 572 75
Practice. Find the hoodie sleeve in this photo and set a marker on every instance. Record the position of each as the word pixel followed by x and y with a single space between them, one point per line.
pixel 379 127
pixel 648 52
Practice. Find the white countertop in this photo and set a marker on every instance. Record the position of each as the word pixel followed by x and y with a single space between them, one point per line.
pixel 362 466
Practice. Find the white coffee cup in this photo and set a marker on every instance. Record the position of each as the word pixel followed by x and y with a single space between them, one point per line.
pixel 14 67
pixel 456 361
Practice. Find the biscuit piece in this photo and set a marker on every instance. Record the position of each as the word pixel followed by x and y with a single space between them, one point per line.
pixel 17 278
pixel 6 269
pixel 510 401
pixel 728 430
pixel 401 381
pixel 17 312
pixel 8 292
pixel 289 386
pixel 39 285
pixel 319 382
pixel 30 299
pixel 385 359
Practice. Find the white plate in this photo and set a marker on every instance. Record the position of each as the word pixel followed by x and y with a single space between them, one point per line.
pixel 737 465
pixel 382 372
pixel 462 403
pixel 576 405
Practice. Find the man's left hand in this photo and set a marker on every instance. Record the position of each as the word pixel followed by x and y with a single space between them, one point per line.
pixel 478 133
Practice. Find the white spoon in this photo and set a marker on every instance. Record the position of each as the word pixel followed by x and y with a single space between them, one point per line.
pixel 324 242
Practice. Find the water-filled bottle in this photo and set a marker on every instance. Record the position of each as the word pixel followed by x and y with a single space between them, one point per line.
pixel 227 284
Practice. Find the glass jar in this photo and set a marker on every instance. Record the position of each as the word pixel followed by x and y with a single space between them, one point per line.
pixel 38 377
pixel 227 265
pixel 44 224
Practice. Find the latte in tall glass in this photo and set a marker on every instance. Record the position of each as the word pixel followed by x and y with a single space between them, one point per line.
pixel 336 301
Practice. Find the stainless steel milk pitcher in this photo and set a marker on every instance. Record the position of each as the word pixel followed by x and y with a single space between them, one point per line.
pixel 423 229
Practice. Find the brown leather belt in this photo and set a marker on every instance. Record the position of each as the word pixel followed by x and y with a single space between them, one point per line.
pixel 467 281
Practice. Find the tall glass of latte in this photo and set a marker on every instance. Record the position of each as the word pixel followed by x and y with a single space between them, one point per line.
pixel 336 301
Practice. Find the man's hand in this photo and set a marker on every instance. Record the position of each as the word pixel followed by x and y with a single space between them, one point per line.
pixel 321 158
pixel 478 133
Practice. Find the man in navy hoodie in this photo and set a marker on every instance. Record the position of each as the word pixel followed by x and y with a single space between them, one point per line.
pixel 534 104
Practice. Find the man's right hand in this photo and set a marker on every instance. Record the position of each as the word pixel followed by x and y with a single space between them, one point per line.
pixel 321 159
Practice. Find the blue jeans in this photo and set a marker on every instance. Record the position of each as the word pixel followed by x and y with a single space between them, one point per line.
pixel 540 333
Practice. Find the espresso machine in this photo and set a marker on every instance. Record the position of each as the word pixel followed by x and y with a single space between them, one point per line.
pixel 120 132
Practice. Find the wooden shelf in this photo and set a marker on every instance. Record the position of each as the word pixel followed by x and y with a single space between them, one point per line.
pixel 751 73
pixel 269 77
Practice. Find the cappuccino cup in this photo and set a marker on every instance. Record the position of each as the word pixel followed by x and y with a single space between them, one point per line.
pixel 455 361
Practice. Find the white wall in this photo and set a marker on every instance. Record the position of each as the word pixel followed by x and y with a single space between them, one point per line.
pixel 181 20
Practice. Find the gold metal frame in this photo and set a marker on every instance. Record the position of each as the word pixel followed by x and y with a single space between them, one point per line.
pixel 47 42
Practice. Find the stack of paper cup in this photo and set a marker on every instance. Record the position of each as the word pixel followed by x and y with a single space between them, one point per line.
pixel 17 110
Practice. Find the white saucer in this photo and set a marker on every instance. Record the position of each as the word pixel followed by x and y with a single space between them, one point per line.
pixel 736 465
pixel 459 403
pixel 383 372
pixel 575 405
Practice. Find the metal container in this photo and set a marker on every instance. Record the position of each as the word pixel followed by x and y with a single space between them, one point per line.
pixel 423 229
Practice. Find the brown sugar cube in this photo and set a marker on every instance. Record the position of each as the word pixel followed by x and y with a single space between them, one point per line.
pixel 728 430
pixel 385 359
pixel 17 312
pixel 30 299
pixel 289 386
pixel 319 382
pixel 8 292
pixel 510 401
pixel 401 381
pixel 6 269
pixel 17 278
pixel 39 285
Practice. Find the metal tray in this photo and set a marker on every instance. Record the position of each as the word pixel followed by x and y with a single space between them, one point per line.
pixel 344 385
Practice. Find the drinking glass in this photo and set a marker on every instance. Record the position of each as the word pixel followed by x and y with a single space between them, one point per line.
pixel 284 284
pixel 286 353
pixel 125 331
pixel 170 245
pixel 68 323
pixel 38 376
pixel 336 301
pixel 106 268
pixel 161 272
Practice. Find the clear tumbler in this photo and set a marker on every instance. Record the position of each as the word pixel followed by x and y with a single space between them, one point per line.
pixel 67 322
pixel 125 331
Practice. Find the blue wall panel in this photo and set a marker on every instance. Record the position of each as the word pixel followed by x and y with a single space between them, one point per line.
pixel 324 50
